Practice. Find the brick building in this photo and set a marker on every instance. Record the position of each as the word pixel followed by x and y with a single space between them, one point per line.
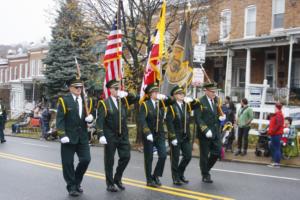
pixel 21 78
pixel 252 40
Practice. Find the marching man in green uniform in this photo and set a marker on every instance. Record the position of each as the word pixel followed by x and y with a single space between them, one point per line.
pixel 112 130
pixel 208 117
pixel 71 123
pixel 151 118
pixel 178 124
pixel 2 121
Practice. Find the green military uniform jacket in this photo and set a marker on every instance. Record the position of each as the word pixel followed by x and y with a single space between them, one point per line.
pixel 175 120
pixel 208 119
pixel 148 117
pixel 69 122
pixel 107 123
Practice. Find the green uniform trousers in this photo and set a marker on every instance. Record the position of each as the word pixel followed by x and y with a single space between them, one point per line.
pixel 159 143
pixel 73 177
pixel 178 168
pixel 123 147
pixel 210 151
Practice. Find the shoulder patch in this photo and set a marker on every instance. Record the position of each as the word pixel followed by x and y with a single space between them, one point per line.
pixel 61 101
pixel 172 110
pixel 101 102
pixel 146 108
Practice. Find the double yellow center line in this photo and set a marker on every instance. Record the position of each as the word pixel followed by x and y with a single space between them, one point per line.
pixel 179 192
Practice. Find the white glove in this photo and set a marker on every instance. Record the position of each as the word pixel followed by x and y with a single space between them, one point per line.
pixel 286 130
pixel 174 142
pixel 150 137
pixel 89 118
pixel 208 134
pixel 122 94
pixel 187 99
pixel 222 118
pixel 102 140
pixel 161 97
pixel 65 140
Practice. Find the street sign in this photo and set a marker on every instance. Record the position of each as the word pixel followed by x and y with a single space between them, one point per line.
pixel 198 77
pixel 199 53
pixel 255 96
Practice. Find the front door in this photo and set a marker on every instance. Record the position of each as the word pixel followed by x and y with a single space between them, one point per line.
pixel 270 69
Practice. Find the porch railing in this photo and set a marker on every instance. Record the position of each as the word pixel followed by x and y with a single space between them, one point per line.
pixel 273 95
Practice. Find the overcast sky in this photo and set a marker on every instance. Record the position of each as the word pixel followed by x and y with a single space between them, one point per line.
pixel 25 20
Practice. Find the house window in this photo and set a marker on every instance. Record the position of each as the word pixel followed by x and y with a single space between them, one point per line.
pixel 203 30
pixel 6 75
pixel 1 72
pixel 40 67
pixel 33 68
pixel 10 73
pixel 278 8
pixel 16 73
pixel 20 71
pixel 225 24
pixel 26 70
pixel 250 21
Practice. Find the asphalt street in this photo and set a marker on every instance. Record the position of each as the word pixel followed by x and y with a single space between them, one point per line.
pixel 31 169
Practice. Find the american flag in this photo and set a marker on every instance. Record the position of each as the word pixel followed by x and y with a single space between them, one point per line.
pixel 113 55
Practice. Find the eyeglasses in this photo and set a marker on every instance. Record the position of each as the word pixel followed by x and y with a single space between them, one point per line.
pixel 116 88
pixel 78 87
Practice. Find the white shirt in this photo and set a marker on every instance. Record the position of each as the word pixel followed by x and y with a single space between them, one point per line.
pixel 210 103
pixel 115 101
pixel 79 103
pixel 154 103
pixel 180 105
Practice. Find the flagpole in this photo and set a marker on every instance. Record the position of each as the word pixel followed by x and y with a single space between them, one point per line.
pixel 120 73
pixel 185 108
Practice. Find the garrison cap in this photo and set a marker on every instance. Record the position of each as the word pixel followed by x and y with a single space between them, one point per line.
pixel 151 88
pixel 176 90
pixel 210 86
pixel 112 84
pixel 75 82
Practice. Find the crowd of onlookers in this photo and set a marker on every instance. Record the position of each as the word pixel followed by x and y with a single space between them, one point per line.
pixel 39 117
pixel 282 136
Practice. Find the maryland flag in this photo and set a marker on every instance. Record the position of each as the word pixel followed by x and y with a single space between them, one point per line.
pixel 179 67
pixel 153 68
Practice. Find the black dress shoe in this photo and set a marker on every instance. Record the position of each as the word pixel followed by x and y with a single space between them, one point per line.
pixel 111 188
pixel 177 182
pixel 184 180
pixel 2 141
pixel 207 179
pixel 79 189
pixel 237 153
pixel 156 180
pixel 74 193
pixel 120 185
pixel 151 184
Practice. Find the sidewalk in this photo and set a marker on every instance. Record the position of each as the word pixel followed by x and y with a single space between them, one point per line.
pixel 230 157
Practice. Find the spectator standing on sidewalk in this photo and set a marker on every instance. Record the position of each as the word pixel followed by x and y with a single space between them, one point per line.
pixel 245 117
pixel 229 110
pixel 275 131
pixel 45 122
pixel 2 121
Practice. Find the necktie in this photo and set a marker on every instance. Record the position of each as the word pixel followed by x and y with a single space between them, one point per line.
pixel 212 104
pixel 77 106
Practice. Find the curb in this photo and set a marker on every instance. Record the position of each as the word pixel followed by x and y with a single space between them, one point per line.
pixel 194 156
